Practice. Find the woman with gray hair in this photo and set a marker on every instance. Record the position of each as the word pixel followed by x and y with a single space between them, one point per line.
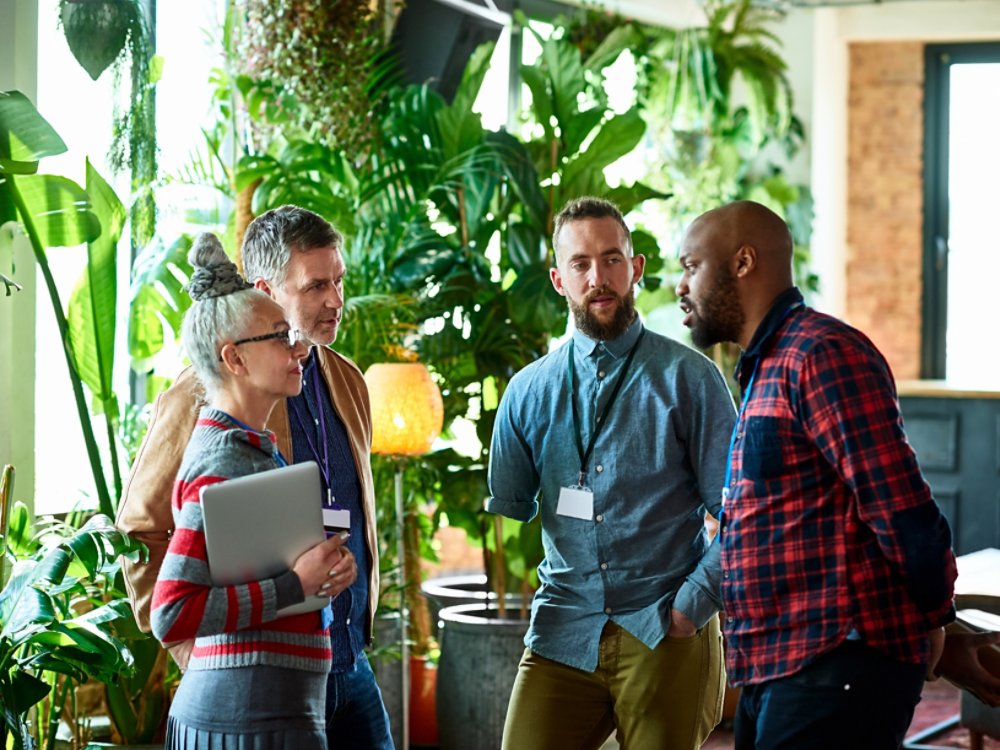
pixel 255 680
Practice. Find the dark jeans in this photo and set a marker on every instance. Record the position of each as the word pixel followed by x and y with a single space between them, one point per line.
pixel 853 697
pixel 356 718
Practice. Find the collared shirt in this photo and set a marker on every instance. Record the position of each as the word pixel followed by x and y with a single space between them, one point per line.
pixel 829 528
pixel 347 629
pixel 657 465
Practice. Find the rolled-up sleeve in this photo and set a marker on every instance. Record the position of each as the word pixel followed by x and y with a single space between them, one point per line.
pixel 513 476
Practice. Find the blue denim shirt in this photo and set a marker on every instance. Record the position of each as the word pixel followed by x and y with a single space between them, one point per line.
pixel 658 464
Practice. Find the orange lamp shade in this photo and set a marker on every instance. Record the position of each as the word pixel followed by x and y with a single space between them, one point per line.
pixel 407 411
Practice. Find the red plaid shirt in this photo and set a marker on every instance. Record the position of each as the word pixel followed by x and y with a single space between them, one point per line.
pixel 829 528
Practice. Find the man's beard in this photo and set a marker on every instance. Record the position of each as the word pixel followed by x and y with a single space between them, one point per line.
pixel 718 316
pixel 587 323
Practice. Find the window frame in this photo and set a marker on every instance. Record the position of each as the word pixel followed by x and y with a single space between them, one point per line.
pixel 938 59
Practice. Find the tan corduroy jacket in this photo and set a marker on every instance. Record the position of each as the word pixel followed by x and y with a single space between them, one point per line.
pixel 145 513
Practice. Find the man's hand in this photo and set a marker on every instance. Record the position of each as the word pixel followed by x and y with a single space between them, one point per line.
pixel 963 661
pixel 681 625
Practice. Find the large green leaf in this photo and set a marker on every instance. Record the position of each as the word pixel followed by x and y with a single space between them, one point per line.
pixel 626 36
pixel 525 246
pixel 22 607
pixel 91 314
pixel 616 137
pixel 534 304
pixel 158 298
pixel 580 126
pixel 59 209
pixel 25 136
pixel 627 197
pixel 564 70
pixel 541 98
pixel 522 177
pixel 459 125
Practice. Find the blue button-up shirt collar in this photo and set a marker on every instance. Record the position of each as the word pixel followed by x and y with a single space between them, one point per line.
pixel 617 348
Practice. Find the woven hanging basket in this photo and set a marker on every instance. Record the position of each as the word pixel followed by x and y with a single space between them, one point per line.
pixel 96 31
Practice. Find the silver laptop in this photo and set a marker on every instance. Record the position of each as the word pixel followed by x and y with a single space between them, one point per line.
pixel 256 526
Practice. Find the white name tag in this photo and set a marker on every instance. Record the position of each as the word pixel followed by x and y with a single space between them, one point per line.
pixel 576 503
pixel 336 519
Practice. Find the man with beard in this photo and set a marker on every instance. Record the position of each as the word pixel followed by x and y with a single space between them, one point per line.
pixel 838 570
pixel 619 439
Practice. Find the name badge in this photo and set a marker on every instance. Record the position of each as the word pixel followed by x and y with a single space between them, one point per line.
pixel 575 502
pixel 334 519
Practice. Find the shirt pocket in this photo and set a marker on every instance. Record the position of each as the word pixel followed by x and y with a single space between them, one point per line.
pixel 762 456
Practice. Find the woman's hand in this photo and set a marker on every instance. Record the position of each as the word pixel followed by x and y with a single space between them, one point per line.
pixel 328 568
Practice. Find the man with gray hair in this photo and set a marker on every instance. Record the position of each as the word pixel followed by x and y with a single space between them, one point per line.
pixel 293 255
pixel 618 438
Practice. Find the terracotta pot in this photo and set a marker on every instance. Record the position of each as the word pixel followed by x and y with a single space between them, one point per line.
pixel 423 703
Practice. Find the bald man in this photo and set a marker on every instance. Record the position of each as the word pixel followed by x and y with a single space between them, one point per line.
pixel 837 566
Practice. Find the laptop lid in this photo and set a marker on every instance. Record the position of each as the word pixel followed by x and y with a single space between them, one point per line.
pixel 256 526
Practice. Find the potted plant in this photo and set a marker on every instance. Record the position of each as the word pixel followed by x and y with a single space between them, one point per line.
pixel 55 629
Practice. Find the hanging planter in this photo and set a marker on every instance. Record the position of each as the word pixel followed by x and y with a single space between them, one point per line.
pixel 97 30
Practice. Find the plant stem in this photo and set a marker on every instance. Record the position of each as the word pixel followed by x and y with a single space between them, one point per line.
pixel 104 499
pixel 111 426
pixel 55 711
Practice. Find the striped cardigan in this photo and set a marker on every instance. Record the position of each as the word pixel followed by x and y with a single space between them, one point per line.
pixel 234 626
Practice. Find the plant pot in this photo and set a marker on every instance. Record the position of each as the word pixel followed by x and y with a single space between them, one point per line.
pixel 423 702
pixel 453 590
pixel 479 657
pixel 96 31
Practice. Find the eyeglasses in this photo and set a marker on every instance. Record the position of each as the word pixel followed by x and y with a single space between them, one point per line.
pixel 289 338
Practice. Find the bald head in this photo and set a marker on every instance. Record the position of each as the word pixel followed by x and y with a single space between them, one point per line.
pixel 737 259
pixel 743 224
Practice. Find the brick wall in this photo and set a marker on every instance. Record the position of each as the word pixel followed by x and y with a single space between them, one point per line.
pixel 885 198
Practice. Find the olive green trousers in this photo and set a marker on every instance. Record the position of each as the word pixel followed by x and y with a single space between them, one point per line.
pixel 667 698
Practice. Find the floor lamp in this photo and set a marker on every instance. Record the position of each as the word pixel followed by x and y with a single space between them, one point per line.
pixel 407 416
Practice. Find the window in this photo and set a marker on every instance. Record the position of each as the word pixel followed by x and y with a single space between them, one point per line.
pixel 961 163
pixel 81 110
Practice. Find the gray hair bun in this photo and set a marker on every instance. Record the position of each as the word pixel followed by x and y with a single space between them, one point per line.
pixel 214 274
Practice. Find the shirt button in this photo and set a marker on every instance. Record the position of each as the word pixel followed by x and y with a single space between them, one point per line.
pixel 348 621
pixel 604 566
pixel 729 619
pixel 600 373
pixel 725 574
pixel 599 518
pixel 600 468
pixel 607 610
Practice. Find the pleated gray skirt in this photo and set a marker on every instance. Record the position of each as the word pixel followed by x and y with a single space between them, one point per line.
pixel 251 708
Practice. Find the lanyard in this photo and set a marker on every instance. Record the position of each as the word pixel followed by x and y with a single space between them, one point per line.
pixel 276 454
pixel 736 431
pixel 602 418
pixel 319 423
